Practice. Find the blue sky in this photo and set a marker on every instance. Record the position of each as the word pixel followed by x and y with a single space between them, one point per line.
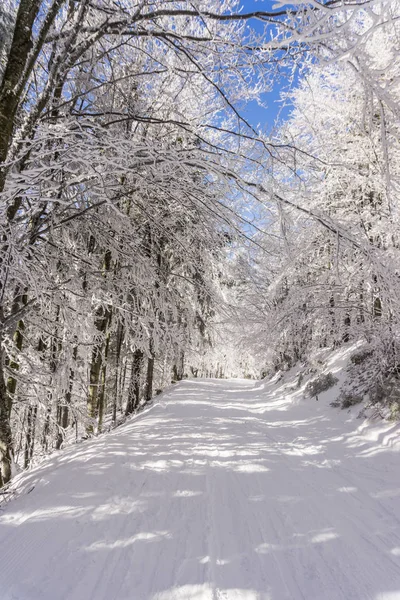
pixel 254 113
pixel 266 117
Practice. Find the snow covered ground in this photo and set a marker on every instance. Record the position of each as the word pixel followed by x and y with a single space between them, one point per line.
pixel 224 490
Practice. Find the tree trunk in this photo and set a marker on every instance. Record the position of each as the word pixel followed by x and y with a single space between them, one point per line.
pixel 148 394
pixel 94 394
pixel 6 447
pixel 30 434
pixel 102 388
pixel 10 91
pixel 102 321
pixel 134 384
pixel 14 365
pixel 55 350
pixel 377 307
pixel 178 368
pixel 94 378
pixel 122 384
pixel 62 423
pixel 46 429
pixel 64 409
pixel 119 340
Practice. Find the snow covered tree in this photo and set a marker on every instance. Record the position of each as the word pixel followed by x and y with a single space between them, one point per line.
pixel 332 271
pixel 122 157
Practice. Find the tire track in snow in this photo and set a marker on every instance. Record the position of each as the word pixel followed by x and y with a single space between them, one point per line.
pixel 262 529
pixel 346 524
pixel 212 528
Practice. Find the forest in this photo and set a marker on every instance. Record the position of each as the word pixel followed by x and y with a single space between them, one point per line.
pixel 151 230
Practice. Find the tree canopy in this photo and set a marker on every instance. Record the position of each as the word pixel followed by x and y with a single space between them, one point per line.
pixel 130 177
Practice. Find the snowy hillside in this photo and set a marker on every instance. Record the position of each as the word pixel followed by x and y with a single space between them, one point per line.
pixel 224 490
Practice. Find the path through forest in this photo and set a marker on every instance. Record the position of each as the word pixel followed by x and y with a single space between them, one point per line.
pixel 224 490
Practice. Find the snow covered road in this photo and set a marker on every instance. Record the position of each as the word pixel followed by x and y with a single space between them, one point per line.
pixel 225 490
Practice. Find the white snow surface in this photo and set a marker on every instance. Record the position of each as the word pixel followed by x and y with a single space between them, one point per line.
pixel 224 490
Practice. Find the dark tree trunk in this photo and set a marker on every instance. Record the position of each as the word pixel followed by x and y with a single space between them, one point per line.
pixel 10 90
pixel 6 447
pixel 94 379
pixel 102 321
pixel 377 307
pixel 134 384
pixel 102 386
pixel 62 422
pixel 347 324
pixel 122 384
pixel 119 340
pixel 148 394
pixel 94 395
pixel 55 350
pixel 63 410
pixel 14 364
pixel 30 434
pixel 99 354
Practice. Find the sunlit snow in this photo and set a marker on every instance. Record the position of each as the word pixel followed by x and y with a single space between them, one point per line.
pixel 227 490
